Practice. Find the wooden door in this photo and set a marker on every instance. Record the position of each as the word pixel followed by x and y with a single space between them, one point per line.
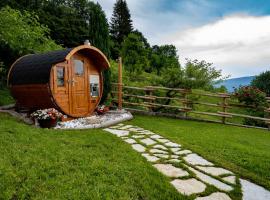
pixel 79 86
pixel 61 87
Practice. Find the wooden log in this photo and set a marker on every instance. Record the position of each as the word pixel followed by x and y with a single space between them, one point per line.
pixel 245 116
pixel 211 114
pixel 139 97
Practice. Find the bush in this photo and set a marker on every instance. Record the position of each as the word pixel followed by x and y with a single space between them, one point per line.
pixel 262 82
pixel 252 96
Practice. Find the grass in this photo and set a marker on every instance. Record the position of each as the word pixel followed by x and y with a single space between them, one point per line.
pixel 244 151
pixel 90 164
pixel 5 97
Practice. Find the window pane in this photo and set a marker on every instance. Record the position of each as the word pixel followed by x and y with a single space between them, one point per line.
pixel 78 67
pixel 60 76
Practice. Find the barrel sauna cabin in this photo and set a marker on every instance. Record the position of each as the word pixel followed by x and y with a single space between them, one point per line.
pixel 69 80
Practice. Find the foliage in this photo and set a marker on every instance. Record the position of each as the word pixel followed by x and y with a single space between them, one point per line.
pixel 5 97
pixel 252 96
pixel 3 75
pixel 135 54
pixel 22 33
pixel 262 81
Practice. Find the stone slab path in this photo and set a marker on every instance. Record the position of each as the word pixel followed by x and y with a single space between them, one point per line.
pixel 190 173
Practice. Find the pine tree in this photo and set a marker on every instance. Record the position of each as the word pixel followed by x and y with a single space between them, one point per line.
pixel 121 23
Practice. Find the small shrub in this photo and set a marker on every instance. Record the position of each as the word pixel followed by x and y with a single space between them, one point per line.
pixel 252 96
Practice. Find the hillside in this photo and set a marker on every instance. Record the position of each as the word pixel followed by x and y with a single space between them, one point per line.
pixel 230 84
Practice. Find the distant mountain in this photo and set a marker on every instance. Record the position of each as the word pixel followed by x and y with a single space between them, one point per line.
pixel 236 82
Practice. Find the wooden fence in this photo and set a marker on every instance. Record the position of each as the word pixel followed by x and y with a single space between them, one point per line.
pixel 189 104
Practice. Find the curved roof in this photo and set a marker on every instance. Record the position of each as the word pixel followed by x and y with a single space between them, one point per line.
pixel 36 68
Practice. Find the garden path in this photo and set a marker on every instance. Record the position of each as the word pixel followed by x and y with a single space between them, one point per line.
pixel 189 173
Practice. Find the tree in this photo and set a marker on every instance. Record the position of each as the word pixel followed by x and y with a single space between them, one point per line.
pixel 120 26
pixel 262 81
pixel 134 53
pixel 20 34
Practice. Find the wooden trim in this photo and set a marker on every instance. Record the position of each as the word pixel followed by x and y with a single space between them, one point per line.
pixel 76 49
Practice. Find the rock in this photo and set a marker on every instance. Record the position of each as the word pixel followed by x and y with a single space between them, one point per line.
pixel 156 137
pixel 161 155
pixel 150 158
pixel 189 186
pixel 252 191
pixel 125 127
pixel 174 161
pixel 138 136
pixel 230 179
pixel 211 181
pixel 158 151
pixel 138 147
pixel 148 141
pixel 171 171
pixel 214 171
pixel 130 141
pixel 175 149
pixel 195 159
pixel 162 140
pixel 215 196
pixel 119 133
pixel 134 129
pixel 183 152
pixel 174 156
pixel 172 144
pixel 159 146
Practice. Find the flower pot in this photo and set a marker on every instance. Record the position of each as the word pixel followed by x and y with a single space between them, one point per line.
pixel 47 123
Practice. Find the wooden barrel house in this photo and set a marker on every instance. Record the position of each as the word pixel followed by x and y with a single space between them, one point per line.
pixel 69 80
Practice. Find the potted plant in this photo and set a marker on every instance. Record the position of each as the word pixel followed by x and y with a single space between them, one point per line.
pixel 47 118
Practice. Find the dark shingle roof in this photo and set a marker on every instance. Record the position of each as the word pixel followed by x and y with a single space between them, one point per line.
pixel 35 68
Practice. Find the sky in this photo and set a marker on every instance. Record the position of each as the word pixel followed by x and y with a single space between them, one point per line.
pixel 234 35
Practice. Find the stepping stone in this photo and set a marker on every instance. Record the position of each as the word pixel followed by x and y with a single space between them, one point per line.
pixel 158 151
pixel 134 129
pixel 130 141
pixel 116 126
pixel 126 127
pixel 215 196
pixel 148 133
pixel 150 158
pixel 156 137
pixel 183 152
pixel 174 161
pixel 171 171
pixel 138 136
pixel 124 138
pixel 162 140
pixel 159 146
pixel 214 171
pixel 252 191
pixel 148 141
pixel 161 155
pixel 138 147
pixel 211 181
pixel 119 133
pixel 230 179
pixel 172 144
pixel 195 159
pixel 175 149
pixel 189 186
pixel 174 156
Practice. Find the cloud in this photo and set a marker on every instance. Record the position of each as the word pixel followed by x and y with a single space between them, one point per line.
pixel 235 38
pixel 238 44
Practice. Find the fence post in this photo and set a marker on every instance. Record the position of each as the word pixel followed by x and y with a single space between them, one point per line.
pixel 120 84
pixel 149 92
pixel 268 116
pixel 224 108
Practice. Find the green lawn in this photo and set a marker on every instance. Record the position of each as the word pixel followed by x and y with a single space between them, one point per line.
pixel 242 150
pixel 90 164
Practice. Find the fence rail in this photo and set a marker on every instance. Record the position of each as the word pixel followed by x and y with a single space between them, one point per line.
pixel 186 103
